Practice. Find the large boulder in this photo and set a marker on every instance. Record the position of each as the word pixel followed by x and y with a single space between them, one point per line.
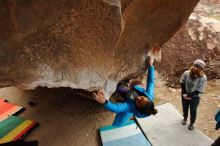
pixel 211 1
pixel 82 44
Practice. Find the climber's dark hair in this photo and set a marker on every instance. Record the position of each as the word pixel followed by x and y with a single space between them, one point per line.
pixel 148 109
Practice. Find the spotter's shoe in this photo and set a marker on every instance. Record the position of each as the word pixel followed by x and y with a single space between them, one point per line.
pixel 183 122
pixel 191 127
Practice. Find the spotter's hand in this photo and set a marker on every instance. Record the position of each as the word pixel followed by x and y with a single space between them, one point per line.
pixel 186 97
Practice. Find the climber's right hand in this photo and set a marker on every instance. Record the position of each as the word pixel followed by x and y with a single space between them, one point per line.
pixel 99 96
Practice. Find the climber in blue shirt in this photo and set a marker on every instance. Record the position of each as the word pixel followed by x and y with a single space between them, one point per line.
pixel 138 101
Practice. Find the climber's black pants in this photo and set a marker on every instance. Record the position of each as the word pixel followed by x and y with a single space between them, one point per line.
pixel 193 105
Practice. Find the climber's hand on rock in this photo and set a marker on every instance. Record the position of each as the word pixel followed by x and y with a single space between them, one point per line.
pixel 100 97
pixel 155 50
pixel 150 60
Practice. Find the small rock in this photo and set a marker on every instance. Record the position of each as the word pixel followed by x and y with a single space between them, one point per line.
pixel 205 102
pixel 205 128
pixel 87 134
pixel 32 103
pixel 213 95
pixel 172 89
pixel 172 85
pixel 218 105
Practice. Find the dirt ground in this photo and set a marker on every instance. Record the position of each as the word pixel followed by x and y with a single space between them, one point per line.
pixel 67 119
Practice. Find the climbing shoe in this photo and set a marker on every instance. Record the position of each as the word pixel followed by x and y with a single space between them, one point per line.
pixel 184 122
pixel 191 127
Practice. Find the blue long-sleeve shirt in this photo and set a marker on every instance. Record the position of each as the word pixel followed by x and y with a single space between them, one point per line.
pixel 127 108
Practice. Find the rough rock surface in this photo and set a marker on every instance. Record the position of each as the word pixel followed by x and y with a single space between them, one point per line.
pixel 83 44
pixel 211 1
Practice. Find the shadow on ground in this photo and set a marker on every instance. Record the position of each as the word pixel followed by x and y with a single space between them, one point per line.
pixel 65 117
